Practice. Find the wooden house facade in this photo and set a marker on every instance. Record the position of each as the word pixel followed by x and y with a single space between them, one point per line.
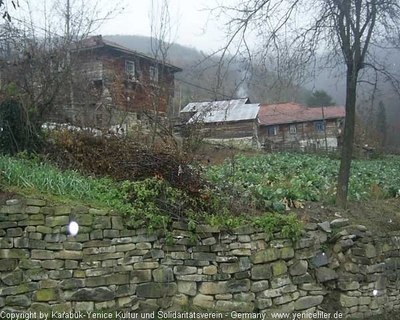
pixel 114 85
pixel 294 125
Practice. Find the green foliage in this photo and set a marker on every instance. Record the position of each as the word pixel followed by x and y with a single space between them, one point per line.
pixel 320 98
pixel 17 133
pixel 267 182
pixel 153 202
pixel 274 222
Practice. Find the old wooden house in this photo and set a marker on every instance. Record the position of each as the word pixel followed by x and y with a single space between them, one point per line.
pixel 113 85
pixel 286 126
pixel 234 120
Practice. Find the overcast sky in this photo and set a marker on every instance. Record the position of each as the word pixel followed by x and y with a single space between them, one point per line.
pixel 191 24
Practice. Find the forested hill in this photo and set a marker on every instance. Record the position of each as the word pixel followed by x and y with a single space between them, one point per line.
pixel 197 83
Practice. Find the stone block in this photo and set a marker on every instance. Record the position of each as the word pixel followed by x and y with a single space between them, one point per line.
pixel 326 274
pixel 35 202
pixel 12 279
pixel 229 267
pixel 69 255
pixel 35 236
pixel 96 235
pixel 298 268
pixel 277 282
pixel 14 254
pixel 44 229
pixel 203 301
pixel 370 251
pixel 258 286
pixel 8 265
pixel 119 278
pixel 156 290
pixel 139 276
pixel 18 301
pixel 111 234
pixel 92 294
pixel 187 287
pixel 241 252
pixel 347 301
pixel 62 210
pixel 102 223
pixel 60 274
pixel 185 270
pixel 238 285
pixel 20 289
pixel 273 293
pixel 146 265
pixel 21 243
pixel 37 274
pixel 46 295
pixel 74 246
pixel 204 256
pixel 52 264
pixel 286 253
pixel 267 255
pixel 48 284
pixel 278 268
pixel 6 243
pixel 308 302
pixel 52 221
pixel 210 270
pixel 163 274
pixel 226 306
pixel 193 277
pixel 14 232
pixel 261 272
pixel 213 287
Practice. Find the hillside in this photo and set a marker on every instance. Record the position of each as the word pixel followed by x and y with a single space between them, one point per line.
pixel 197 81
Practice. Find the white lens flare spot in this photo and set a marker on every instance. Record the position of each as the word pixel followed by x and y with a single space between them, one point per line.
pixel 375 292
pixel 73 228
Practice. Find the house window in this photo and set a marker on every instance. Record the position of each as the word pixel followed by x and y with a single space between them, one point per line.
pixel 272 130
pixel 153 74
pixel 130 70
pixel 319 126
pixel 293 129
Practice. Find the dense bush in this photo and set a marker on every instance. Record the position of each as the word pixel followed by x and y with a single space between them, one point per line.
pixel 17 133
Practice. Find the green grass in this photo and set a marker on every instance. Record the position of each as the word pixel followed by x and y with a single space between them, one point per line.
pixel 34 177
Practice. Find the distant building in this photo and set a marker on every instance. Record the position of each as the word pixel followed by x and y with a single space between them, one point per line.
pixel 129 87
pixel 293 124
pixel 234 120
pixel 110 84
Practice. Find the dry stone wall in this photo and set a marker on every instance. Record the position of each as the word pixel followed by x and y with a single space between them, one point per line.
pixel 333 268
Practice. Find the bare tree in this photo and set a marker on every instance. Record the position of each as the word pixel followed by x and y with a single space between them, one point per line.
pixel 162 38
pixel 293 33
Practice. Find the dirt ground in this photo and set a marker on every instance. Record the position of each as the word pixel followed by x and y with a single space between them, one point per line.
pixel 379 216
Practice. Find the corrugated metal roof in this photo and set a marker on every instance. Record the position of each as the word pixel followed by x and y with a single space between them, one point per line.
pixel 281 113
pixel 222 111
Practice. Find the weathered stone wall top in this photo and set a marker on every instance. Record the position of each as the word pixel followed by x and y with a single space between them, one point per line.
pixel 334 267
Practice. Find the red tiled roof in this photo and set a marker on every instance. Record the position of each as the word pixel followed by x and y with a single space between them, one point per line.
pixel 290 112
